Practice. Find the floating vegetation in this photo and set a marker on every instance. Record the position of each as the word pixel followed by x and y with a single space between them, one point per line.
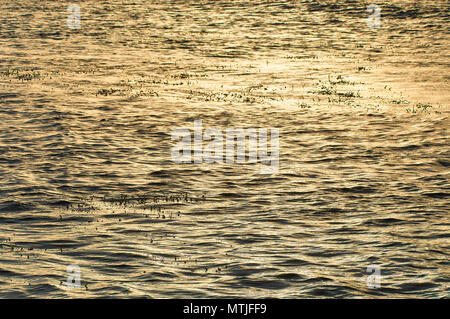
pixel 400 101
pixel 349 94
pixel 304 105
pixel 140 93
pixel 324 90
pixel 21 75
pixel 244 96
pixel 10 73
pixel 145 203
pixel 422 108
pixel 340 81
pixel 186 75
pixel 363 68
pixel 107 92
pixel 157 206
pixel 299 57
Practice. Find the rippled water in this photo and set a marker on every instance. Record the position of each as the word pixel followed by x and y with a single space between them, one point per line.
pixel 87 116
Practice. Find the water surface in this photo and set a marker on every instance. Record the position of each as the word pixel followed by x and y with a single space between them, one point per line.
pixel 87 117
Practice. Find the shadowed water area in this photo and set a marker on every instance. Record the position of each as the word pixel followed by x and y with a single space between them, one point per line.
pixel 87 176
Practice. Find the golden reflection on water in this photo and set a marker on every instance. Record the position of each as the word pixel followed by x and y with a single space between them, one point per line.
pixel 87 116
